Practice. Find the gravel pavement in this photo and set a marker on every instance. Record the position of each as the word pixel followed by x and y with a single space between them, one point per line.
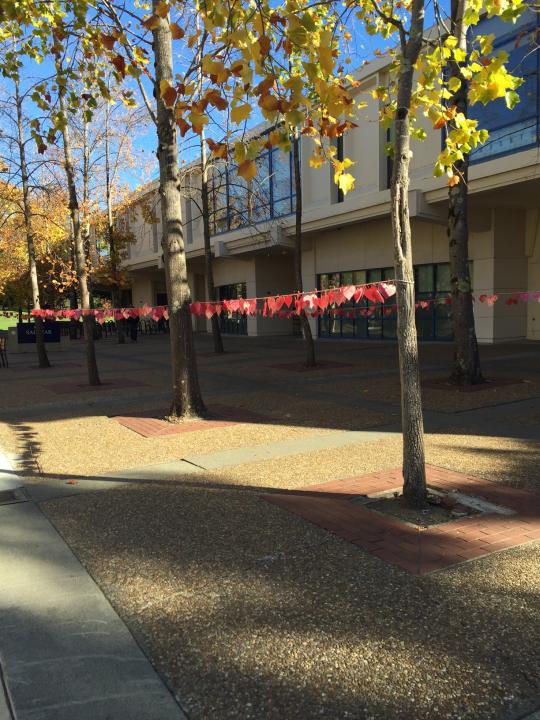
pixel 251 612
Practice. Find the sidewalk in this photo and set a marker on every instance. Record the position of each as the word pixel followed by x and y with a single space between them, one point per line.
pixel 64 652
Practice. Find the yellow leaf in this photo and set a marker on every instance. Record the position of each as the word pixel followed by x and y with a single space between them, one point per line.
pixel 240 112
pixel 316 160
pixel 346 182
pixel 198 120
pixel 339 168
pixel 454 84
pixel 326 60
pixel 239 152
pixel 247 169
pixel 215 69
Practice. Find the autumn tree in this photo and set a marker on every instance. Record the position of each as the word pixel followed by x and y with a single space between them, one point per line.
pixel 103 141
pixel 63 77
pixel 466 368
pixel 205 167
pixel 15 142
pixel 13 251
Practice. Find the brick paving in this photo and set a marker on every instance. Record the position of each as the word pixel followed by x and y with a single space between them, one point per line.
pixel 150 423
pixel 414 549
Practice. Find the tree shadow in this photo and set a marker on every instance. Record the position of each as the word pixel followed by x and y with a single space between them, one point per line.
pixel 253 612
pixel 28 448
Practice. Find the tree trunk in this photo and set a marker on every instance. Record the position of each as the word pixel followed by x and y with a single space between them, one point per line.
pixel 85 224
pixel 466 365
pixel 115 289
pixel 73 304
pixel 186 397
pixel 208 259
pixel 80 257
pixel 43 359
pixel 414 472
pixel 304 322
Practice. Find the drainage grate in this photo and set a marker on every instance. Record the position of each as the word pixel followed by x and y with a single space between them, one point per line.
pixel 12 496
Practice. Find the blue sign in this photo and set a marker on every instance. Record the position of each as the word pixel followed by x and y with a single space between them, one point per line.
pixel 26 332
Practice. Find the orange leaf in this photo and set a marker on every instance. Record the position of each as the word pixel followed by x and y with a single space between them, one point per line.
pixel 237 67
pixel 168 93
pixel 120 65
pixel 247 169
pixel 219 150
pixel 454 180
pixel 176 31
pixel 162 9
pixel 269 103
pixel 151 23
pixel 264 45
pixel 107 41
pixel 183 126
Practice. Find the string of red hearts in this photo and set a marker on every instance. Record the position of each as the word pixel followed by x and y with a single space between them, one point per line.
pixel 313 303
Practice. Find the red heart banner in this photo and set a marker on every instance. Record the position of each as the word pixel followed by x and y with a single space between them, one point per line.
pixel 315 303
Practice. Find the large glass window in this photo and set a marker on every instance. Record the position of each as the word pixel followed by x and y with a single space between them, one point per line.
pixel 434 322
pixel 517 129
pixel 236 203
pixel 235 323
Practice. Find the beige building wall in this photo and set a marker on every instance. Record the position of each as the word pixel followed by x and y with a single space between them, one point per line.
pixel 356 233
pixel 274 276
pixel 509 273
pixel 532 249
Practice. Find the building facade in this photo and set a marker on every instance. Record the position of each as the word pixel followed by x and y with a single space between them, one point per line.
pixel 348 239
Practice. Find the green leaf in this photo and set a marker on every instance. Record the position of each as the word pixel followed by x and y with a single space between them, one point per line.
pixel 511 99
pixel 454 84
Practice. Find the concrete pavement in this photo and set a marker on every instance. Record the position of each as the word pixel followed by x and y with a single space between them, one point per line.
pixel 64 652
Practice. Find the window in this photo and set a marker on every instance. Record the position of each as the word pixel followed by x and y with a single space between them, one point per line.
pixel 189 222
pixel 512 130
pixel 236 203
pixel 155 243
pixel 234 324
pixel 339 196
pixel 433 322
pixel 389 157
pixel 433 284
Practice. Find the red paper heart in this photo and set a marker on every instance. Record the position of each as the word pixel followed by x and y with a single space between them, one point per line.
pixel 387 290
pixel 358 294
pixel 373 294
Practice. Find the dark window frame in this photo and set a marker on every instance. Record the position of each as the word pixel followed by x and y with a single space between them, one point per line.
pixel 272 199
pixel 367 328
pixel 534 117
pixel 237 324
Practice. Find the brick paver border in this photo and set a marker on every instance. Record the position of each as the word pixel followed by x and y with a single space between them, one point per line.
pixel 149 423
pixel 418 551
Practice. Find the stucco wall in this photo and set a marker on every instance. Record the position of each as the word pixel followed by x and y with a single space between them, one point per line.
pixel 532 247
pixel 275 276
